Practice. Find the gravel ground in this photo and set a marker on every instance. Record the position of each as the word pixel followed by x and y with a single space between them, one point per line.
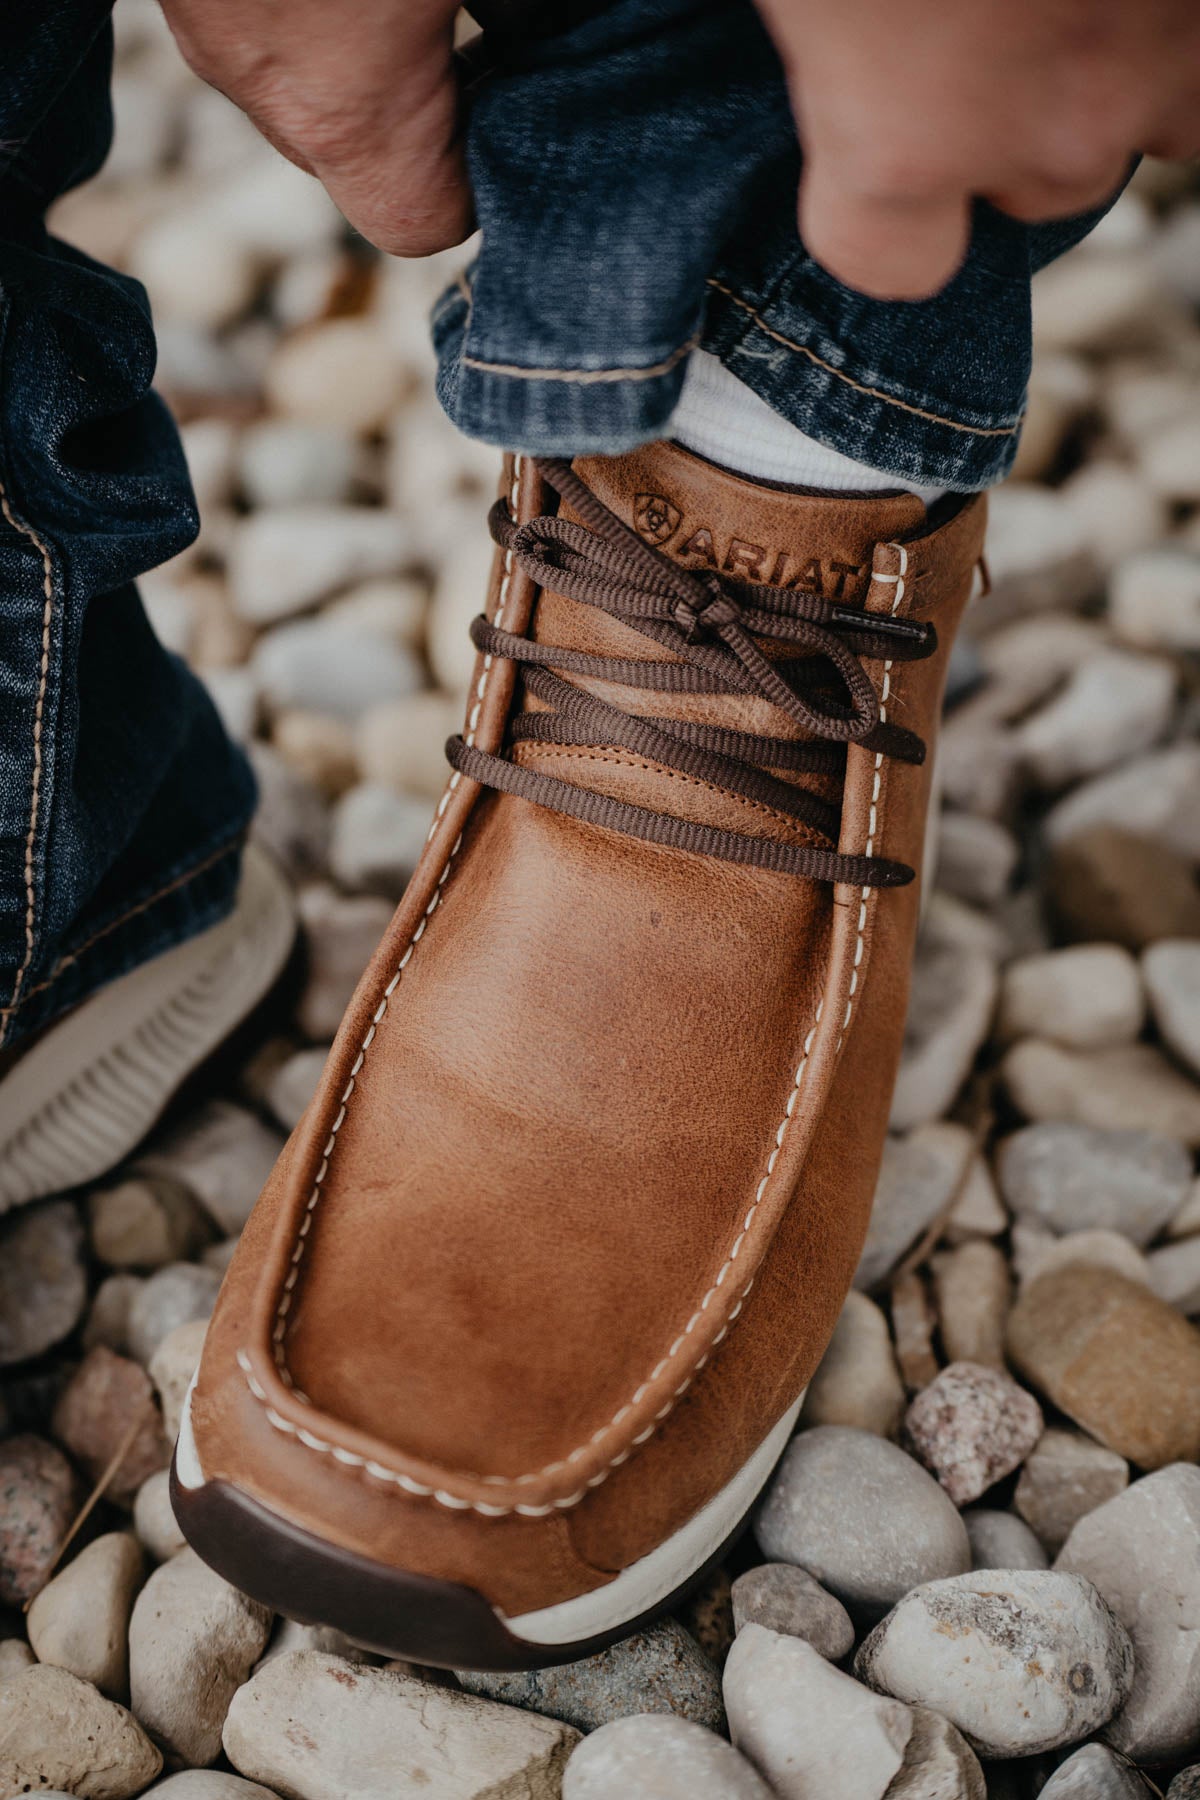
pixel 977 1570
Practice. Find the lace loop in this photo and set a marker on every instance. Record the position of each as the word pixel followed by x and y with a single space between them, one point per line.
pixel 714 631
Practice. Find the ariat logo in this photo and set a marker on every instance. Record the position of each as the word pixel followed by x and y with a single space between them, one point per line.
pixel 659 521
pixel 655 518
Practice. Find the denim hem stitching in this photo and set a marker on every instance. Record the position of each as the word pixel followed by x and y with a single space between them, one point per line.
pixel 35 801
pixel 584 377
pixel 861 387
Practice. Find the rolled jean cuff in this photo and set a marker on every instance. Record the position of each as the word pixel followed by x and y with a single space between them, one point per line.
pixel 181 903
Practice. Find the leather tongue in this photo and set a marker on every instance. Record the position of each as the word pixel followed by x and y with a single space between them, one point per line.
pixel 706 517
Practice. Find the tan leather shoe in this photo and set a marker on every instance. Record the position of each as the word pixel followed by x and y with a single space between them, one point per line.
pixel 522 1322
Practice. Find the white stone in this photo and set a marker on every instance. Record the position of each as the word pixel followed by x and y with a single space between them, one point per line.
pixel 1156 795
pixel 1172 971
pixel 402 744
pixel 1067 1476
pixel 862 1517
pixel 1127 1087
pixel 274 208
pixel 107 1322
pixel 394 606
pixel 1174 1273
pixel 1094 1773
pixel 235 694
pixel 1116 705
pixel 80 1619
pixel 170 1297
pixel 319 1728
pixel 209 1784
pixel 318 666
pixel 461 591
pixel 1170 460
pixel 950 1008
pixel 1093 302
pixel 286 558
pixel 341 372
pixel 1186 1222
pixel 320 747
pixel 1086 996
pixel 1036 1252
pixel 816 1734
pixel 978 1212
pixel 378 836
pixel 195 273
pixel 1027 660
pixel 1032 537
pixel 1142 1551
pixel 142 1224
pixel 1117 509
pixel 1020 1660
pixel 193 1640
pixel 1154 599
pixel 171 1369
pixel 975 857
pixel 1076 1177
pixel 857 1382
pixel 655 1756
pixel 293 462
pixel 294 1083
pixel 57 1732
pixel 154 1520
pixel 210 446
pixel 222 1154
pixel 919 1177
pixel 341 933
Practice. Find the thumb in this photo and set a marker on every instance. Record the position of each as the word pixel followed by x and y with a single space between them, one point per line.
pixel 401 177
pixel 890 246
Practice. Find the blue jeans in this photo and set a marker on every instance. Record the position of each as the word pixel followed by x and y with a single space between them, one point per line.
pixel 636 182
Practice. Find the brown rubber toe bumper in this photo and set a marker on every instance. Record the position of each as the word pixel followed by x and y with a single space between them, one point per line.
pixel 390 1611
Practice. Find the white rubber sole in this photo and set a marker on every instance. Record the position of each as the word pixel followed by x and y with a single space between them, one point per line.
pixel 88 1091
pixel 638 1589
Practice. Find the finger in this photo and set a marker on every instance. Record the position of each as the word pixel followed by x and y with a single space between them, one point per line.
pixel 1040 197
pixel 890 246
pixel 401 179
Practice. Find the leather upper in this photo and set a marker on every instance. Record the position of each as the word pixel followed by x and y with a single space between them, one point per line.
pixel 570 1220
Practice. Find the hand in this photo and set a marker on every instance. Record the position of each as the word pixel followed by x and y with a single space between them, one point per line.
pixel 909 109
pixel 362 95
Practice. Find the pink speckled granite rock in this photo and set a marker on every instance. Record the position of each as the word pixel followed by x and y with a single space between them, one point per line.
pixel 972 1426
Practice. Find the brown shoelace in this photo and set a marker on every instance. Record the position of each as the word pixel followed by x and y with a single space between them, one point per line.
pixel 712 627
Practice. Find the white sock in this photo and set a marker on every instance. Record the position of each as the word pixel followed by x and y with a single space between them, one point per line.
pixel 718 416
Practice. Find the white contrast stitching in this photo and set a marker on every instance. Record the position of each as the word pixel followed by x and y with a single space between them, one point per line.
pixel 380 1471
pixel 35 802
pixel 280 1329
pixel 876 787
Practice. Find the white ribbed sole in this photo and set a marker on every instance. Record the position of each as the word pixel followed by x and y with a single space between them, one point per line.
pixel 88 1091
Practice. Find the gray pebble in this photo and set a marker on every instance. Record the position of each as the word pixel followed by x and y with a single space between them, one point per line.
pixel 862 1517
pixel 661 1670
pixel 43 1285
pixel 788 1600
pixel 1094 1773
pixel 1076 1177
pixel 171 1297
pixel 1000 1540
